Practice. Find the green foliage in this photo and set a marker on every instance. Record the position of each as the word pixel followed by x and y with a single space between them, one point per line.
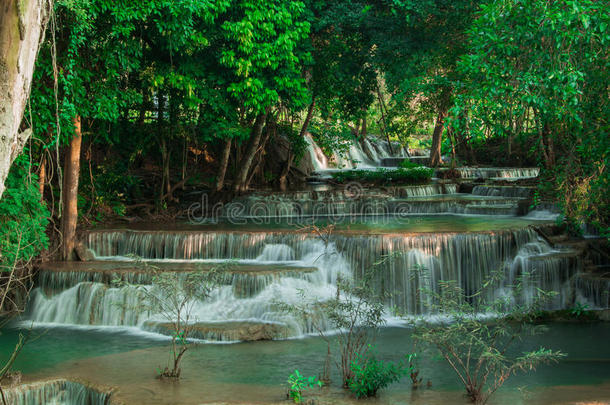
pixel 298 143
pixel 477 349
pixel 414 175
pixel 107 189
pixel 580 309
pixel 173 296
pixel 23 217
pixel 355 312
pixel 407 164
pixel 332 136
pixel 297 383
pixel 371 375
pixel 538 69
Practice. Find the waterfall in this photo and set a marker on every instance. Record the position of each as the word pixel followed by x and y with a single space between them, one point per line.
pixel 56 392
pixel 368 155
pixel 276 253
pixel 276 209
pixel 426 190
pixel 277 266
pixel 503 191
pixel 319 160
pixel 497 172
pixel 243 296
pixel 593 291
pixel 467 257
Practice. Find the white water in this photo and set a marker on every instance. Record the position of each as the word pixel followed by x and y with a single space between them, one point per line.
pixel 369 155
pixel 468 258
pixel 97 304
pixel 57 392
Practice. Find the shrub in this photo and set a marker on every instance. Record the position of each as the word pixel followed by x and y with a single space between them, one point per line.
pixel 370 374
pixel 415 175
pixel 407 164
pixel 297 383
pixel 355 312
pixel 477 348
pixel 173 296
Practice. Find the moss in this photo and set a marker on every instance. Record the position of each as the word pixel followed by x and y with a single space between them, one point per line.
pixel 567 315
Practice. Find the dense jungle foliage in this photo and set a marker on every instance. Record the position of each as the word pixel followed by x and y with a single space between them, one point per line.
pixel 176 96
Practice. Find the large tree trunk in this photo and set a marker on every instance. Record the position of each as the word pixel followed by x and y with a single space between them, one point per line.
pixel 284 175
pixel 22 26
pixel 69 216
pixel 437 137
pixel 224 162
pixel 260 155
pixel 255 139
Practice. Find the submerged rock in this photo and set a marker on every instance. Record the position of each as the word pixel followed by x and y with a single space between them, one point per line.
pixel 245 331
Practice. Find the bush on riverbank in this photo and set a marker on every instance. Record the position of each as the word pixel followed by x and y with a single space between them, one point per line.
pixel 415 175
pixel 371 374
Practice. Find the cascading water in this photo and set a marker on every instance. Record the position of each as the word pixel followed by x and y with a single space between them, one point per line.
pixel 241 297
pixel 497 172
pixel 319 160
pixel 56 392
pixel 369 154
pixel 469 258
pixel 503 191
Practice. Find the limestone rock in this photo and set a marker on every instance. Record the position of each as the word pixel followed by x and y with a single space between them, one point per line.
pixel 83 254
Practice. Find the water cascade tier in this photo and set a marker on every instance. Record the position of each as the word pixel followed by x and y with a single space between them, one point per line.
pixel 365 154
pixel 56 392
pixel 263 268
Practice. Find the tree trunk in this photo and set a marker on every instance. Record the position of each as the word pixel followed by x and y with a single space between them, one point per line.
pixel 362 134
pixel 161 137
pixel 453 140
pixel 284 175
pixel 166 187
pixel 143 108
pixel 549 145
pixel 69 217
pixel 437 137
pixel 255 138
pixel 385 126
pixel 259 155
pixel 224 162
pixel 42 176
pixel 22 27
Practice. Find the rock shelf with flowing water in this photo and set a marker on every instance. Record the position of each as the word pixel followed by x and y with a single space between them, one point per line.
pixel 55 392
pixel 277 265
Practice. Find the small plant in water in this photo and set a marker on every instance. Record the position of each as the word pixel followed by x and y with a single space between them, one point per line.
pixel 297 383
pixel 477 349
pixel 173 296
pixel 355 312
pixel 370 374
pixel 579 309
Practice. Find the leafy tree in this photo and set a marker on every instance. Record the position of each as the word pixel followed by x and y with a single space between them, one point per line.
pixel 477 349
pixel 23 218
pixel 538 70
pixel 419 45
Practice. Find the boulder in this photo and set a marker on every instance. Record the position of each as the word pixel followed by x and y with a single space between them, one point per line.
pixel 83 253
pixel 279 147
pixel 228 331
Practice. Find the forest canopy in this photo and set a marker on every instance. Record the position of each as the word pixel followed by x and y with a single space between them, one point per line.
pixel 166 96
